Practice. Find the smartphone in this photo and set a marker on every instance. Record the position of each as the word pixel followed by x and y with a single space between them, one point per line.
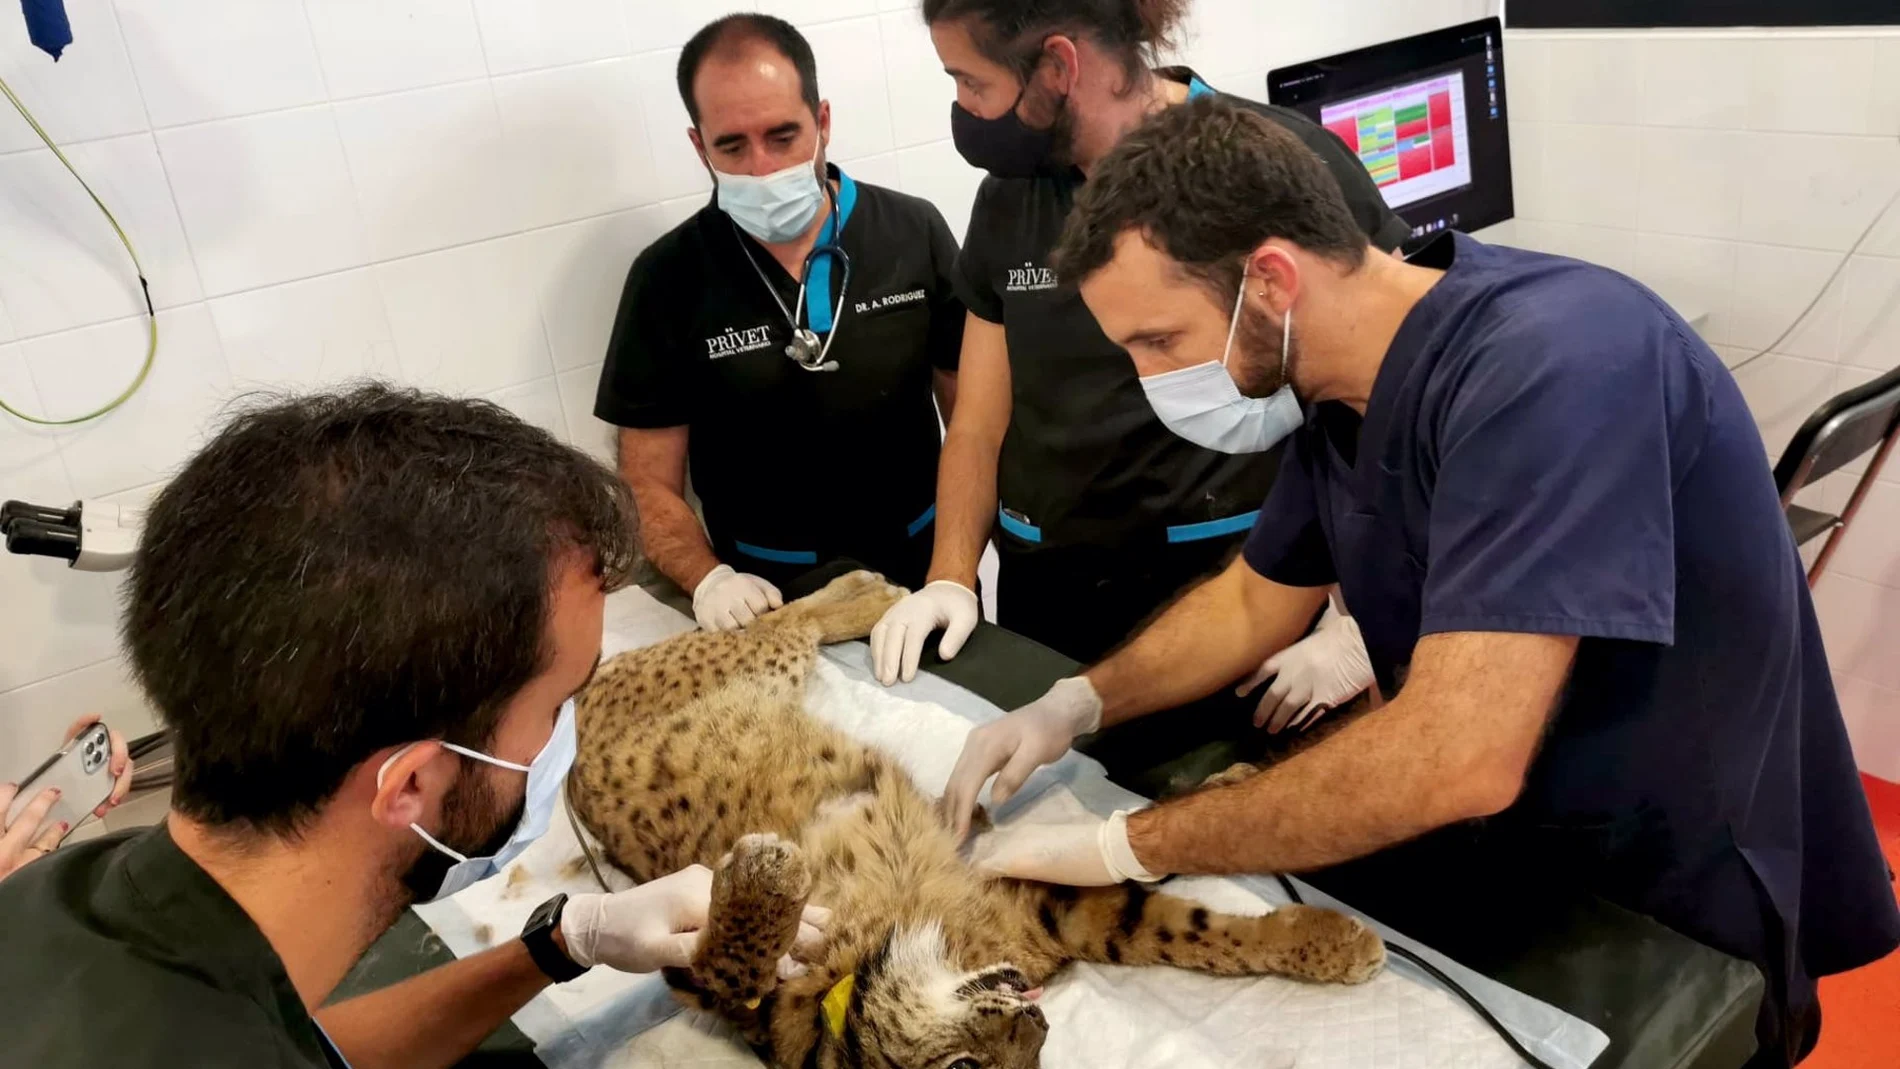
pixel 80 773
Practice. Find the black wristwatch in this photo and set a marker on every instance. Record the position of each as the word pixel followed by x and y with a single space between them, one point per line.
pixel 539 937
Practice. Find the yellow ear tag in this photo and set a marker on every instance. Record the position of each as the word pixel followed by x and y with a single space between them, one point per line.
pixel 838 1003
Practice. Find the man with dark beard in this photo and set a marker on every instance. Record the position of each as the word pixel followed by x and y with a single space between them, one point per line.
pixel 363 617
pixel 1548 505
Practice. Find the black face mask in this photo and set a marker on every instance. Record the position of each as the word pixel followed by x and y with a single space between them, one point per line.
pixel 1004 146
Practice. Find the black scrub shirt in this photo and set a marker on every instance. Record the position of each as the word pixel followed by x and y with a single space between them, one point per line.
pixel 795 468
pixel 1548 449
pixel 122 952
pixel 1085 461
pixel 1104 514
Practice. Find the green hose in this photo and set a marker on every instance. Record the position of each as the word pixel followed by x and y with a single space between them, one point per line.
pixel 145 288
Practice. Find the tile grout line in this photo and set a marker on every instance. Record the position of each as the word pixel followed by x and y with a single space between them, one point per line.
pixel 67 672
pixel 207 298
pixel 1837 253
pixel 489 76
pixel 876 15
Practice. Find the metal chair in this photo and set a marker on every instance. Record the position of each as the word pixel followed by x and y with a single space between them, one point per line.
pixel 1862 420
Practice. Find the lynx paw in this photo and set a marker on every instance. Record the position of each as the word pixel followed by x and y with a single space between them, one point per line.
pixel 854 585
pixel 758 897
pixel 1233 774
pixel 848 606
pixel 1328 946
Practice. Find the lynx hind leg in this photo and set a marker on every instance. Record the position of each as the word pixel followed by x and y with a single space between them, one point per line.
pixel 844 609
pixel 758 899
pixel 1130 925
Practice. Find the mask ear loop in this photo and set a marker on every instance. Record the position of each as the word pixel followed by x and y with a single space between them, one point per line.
pixel 479 756
pixel 1286 345
pixel 464 751
pixel 1233 325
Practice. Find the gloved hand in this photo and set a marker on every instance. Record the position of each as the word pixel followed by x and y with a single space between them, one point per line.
pixel 656 926
pixel 1320 672
pixel 897 642
pixel 1018 744
pixel 727 600
pixel 1077 855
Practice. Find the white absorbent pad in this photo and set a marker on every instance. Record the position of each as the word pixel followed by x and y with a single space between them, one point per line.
pixel 1101 1017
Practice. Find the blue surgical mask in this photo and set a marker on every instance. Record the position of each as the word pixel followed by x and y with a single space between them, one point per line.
pixel 545 775
pixel 1203 404
pixel 775 208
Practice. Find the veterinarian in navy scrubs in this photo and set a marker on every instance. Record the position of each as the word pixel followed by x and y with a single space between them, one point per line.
pixel 1550 510
pixel 796 462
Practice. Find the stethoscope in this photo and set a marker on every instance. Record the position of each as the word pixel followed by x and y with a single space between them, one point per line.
pixel 806 350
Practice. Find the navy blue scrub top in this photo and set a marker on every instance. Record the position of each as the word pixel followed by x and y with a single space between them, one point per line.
pixel 1549 449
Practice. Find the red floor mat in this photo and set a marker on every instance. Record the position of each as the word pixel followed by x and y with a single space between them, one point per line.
pixel 1860 1010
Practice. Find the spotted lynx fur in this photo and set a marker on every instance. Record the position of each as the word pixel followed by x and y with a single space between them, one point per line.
pixel 697 750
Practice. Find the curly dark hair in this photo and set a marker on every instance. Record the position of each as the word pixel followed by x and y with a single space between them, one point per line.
pixel 337 573
pixel 1011 32
pixel 1207 181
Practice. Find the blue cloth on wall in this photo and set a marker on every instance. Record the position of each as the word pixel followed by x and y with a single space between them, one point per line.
pixel 47 26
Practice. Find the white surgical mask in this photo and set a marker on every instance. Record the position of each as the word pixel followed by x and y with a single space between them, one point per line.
pixel 775 208
pixel 1203 404
pixel 545 775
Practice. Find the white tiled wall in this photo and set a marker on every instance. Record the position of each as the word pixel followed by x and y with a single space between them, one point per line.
pixel 1732 172
pixel 446 192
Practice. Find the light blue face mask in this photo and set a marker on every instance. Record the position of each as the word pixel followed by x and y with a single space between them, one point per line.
pixel 545 776
pixel 1203 404
pixel 775 208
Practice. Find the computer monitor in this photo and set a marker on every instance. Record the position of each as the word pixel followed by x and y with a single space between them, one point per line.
pixel 1428 117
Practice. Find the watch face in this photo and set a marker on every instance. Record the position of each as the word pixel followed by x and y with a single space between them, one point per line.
pixel 545 913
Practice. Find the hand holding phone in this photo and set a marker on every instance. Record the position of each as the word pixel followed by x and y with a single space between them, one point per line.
pixel 28 837
pixel 90 773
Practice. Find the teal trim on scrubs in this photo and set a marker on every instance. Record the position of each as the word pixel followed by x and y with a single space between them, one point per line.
pixel 1201 532
pixel 1022 529
pixel 1198 88
pixel 818 300
pixel 806 556
pixel 921 522
pixel 776 556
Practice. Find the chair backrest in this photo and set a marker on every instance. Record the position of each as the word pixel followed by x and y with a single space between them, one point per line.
pixel 1845 427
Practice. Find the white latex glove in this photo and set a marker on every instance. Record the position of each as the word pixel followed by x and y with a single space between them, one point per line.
pixel 1325 670
pixel 897 642
pixel 656 926
pixel 1078 855
pixel 727 600
pixel 1017 745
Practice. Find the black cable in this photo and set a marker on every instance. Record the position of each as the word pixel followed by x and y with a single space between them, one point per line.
pixel 145 744
pixel 1451 985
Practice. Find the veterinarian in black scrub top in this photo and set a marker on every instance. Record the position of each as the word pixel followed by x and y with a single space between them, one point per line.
pixel 799 458
pixel 396 734
pixel 1101 511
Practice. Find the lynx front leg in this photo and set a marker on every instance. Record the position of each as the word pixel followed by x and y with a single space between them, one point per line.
pixel 847 608
pixel 758 900
pixel 1130 925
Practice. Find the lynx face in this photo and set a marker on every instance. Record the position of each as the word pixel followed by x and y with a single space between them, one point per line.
pixel 914 1010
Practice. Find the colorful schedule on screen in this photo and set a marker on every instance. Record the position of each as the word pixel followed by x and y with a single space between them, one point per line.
pixel 1413 139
